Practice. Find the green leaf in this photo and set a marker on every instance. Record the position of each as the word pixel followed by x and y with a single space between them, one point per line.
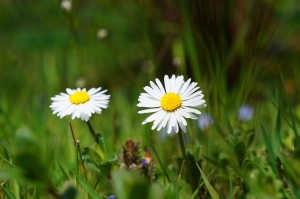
pixel 100 141
pixel 249 139
pixel 7 192
pixel 88 188
pixel 240 151
pixel 210 189
pixel 94 152
pixel 223 160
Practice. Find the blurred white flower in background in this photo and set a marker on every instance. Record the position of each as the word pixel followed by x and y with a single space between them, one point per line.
pixel 245 112
pixel 204 121
pixel 80 82
pixel 102 33
pixel 176 61
pixel 66 5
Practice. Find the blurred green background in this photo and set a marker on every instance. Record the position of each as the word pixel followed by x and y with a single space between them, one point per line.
pixel 234 50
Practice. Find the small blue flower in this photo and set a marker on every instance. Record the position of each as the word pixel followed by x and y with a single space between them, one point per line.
pixel 204 121
pixel 111 197
pixel 245 112
pixel 144 161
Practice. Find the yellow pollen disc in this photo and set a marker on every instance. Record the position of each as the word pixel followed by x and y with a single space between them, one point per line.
pixel 170 102
pixel 79 97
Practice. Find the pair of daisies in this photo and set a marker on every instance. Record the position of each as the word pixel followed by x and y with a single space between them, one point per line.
pixel 170 104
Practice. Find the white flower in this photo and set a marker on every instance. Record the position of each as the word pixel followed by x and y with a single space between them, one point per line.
pixel 102 33
pixel 66 5
pixel 80 103
pixel 171 104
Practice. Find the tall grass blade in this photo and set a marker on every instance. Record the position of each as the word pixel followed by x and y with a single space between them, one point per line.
pixel 232 193
pixel 88 188
pixel 228 125
pixel 7 192
pixel 67 177
pixel 276 138
pixel 189 40
pixel 210 189
pixel 7 161
pixel 160 162
pixel 297 137
pixel 270 149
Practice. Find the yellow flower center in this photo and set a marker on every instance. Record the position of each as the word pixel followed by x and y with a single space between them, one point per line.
pixel 79 97
pixel 170 102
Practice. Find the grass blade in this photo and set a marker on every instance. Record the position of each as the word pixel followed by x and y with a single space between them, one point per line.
pixel 210 189
pixel 297 137
pixel 270 149
pixel 232 193
pixel 228 125
pixel 160 162
pixel 276 138
pixel 7 192
pixel 88 188
pixel 67 177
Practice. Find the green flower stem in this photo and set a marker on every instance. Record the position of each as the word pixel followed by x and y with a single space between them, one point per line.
pixel 182 145
pixel 91 129
pixel 193 182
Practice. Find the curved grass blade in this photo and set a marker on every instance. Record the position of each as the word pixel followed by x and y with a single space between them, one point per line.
pixel 7 192
pixel 232 193
pixel 88 188
pixel 210 189
pixel 297 137
pixel 160 162
pixel 276 137
pixel 67 177
pixel 228 125
pixel 270 149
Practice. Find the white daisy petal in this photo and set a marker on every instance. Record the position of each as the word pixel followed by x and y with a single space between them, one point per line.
pixel 149 110
pixel 179 82
pixel 151 117
pixel 164 122
pixel 160 86
pixel 152 92
pixel 183 127
pixel 171 104
pixel 189 89
pixel 172 83
pixel 79 103
pixel 156 88
pixel 167 84
pixel 184 86
pixel 158 119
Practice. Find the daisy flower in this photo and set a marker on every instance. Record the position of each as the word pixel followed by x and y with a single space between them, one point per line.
pixel 80 103
pixel 171 104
